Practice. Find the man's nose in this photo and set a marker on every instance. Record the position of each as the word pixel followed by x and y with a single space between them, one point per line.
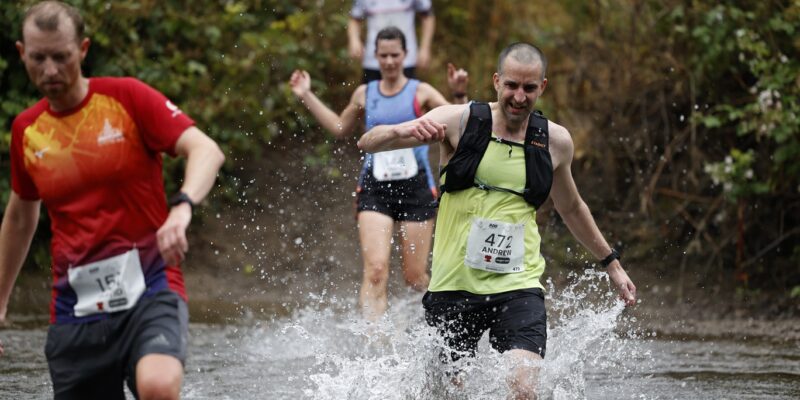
pixel 50 67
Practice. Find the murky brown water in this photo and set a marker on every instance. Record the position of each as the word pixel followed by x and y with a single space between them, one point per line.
pixel 322 350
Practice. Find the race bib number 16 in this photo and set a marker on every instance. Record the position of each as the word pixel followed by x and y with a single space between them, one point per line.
pixel 109 285
pixel 495 246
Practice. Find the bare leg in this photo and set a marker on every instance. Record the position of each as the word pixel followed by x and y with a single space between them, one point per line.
pixel 375 232
pixel 159 376
pixel 524 377
pixel 416 240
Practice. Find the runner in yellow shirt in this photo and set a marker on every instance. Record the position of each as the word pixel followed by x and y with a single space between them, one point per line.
pixel 501 160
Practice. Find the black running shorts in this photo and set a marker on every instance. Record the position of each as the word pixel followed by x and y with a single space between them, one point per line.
pixel 515 320
pixel 91 360
pixel 403 200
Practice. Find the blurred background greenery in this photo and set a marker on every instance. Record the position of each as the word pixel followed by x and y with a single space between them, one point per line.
pixel 684 113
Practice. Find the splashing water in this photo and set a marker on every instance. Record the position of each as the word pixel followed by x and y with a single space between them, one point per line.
pixel 583 334
pixel 341 356
pixel 325 351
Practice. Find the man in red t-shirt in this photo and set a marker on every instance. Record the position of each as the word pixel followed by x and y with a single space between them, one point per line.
pixel 90 150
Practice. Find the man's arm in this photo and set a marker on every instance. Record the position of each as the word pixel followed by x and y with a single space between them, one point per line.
pixel 354 45
pixel 19 224
pixel 576 215
pixel 435 126
pixel 428 27
pixel 203 160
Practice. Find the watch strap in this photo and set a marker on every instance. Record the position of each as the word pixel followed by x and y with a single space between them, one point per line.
pixel 179 198
pixel 610 258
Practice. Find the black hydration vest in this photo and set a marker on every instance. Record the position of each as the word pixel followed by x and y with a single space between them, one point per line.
pixel 473 143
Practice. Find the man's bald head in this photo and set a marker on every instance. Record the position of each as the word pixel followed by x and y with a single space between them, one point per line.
pixel 48 15
pixel 523 53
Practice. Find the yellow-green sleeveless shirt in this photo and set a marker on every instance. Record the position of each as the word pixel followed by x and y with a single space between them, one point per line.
pixel 502 166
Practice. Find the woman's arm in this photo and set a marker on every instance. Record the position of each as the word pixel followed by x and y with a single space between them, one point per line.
pixel 338 125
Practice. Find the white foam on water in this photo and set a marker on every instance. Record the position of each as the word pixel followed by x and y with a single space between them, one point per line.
pixel 340 356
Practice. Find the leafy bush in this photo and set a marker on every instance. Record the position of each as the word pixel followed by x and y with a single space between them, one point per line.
pixel 685 115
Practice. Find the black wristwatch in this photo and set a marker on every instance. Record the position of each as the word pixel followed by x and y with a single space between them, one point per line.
pixel 611 257
pixel 179 198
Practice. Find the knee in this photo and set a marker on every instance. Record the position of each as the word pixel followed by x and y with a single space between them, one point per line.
pixel 418 280
pixel 376 273
pixel 523 391
pixel 523 387
pixel 159 386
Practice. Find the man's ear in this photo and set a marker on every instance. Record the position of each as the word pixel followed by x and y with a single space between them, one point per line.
pixel 84 46
pixel 20 48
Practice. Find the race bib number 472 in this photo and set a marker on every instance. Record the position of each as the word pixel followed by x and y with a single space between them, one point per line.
pixel 496 246
pixel 109 285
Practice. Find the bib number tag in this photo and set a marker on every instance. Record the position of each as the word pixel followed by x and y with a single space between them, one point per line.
pixel 109 285
pixel 394 165
pixel 496 246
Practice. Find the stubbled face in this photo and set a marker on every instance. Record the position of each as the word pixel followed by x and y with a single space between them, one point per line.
pixel 53 58
pixel 518 88
pixel 390 57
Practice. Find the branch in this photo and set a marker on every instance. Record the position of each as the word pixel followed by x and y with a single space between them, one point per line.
pixel 769 247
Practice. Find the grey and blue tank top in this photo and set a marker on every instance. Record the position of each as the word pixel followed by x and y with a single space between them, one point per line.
pixel 390 110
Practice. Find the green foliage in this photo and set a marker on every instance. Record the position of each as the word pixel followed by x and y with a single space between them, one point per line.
pixel 757 49
pixel 673 105
pixel 736 176
pixel 225 63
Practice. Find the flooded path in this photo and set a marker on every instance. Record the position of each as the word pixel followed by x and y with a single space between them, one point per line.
pixel 324 351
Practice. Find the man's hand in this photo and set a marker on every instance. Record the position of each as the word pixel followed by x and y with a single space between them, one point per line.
pixel 457 79
pixel 171 236
pixel 422 129
pixel 300 82
pixel 627 291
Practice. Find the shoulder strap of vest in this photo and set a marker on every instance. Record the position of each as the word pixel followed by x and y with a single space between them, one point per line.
pixel 478 113
pixel 537 133
pixel 480 110
pixel 536 143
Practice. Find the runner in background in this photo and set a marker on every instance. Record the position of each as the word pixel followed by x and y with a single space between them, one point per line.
pixel 385 13
pixel 395 187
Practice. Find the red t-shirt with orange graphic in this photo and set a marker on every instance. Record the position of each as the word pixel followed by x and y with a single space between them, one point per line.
pixel 97 169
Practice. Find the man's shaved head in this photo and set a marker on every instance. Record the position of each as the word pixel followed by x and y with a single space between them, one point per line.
pixel 523 53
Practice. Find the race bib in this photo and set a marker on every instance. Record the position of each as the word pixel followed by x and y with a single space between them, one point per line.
pixel 109 285
pixel 496 246
pixel 394 165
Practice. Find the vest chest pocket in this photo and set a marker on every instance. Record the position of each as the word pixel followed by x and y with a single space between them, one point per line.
pixel 109 285
pixel 394 165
